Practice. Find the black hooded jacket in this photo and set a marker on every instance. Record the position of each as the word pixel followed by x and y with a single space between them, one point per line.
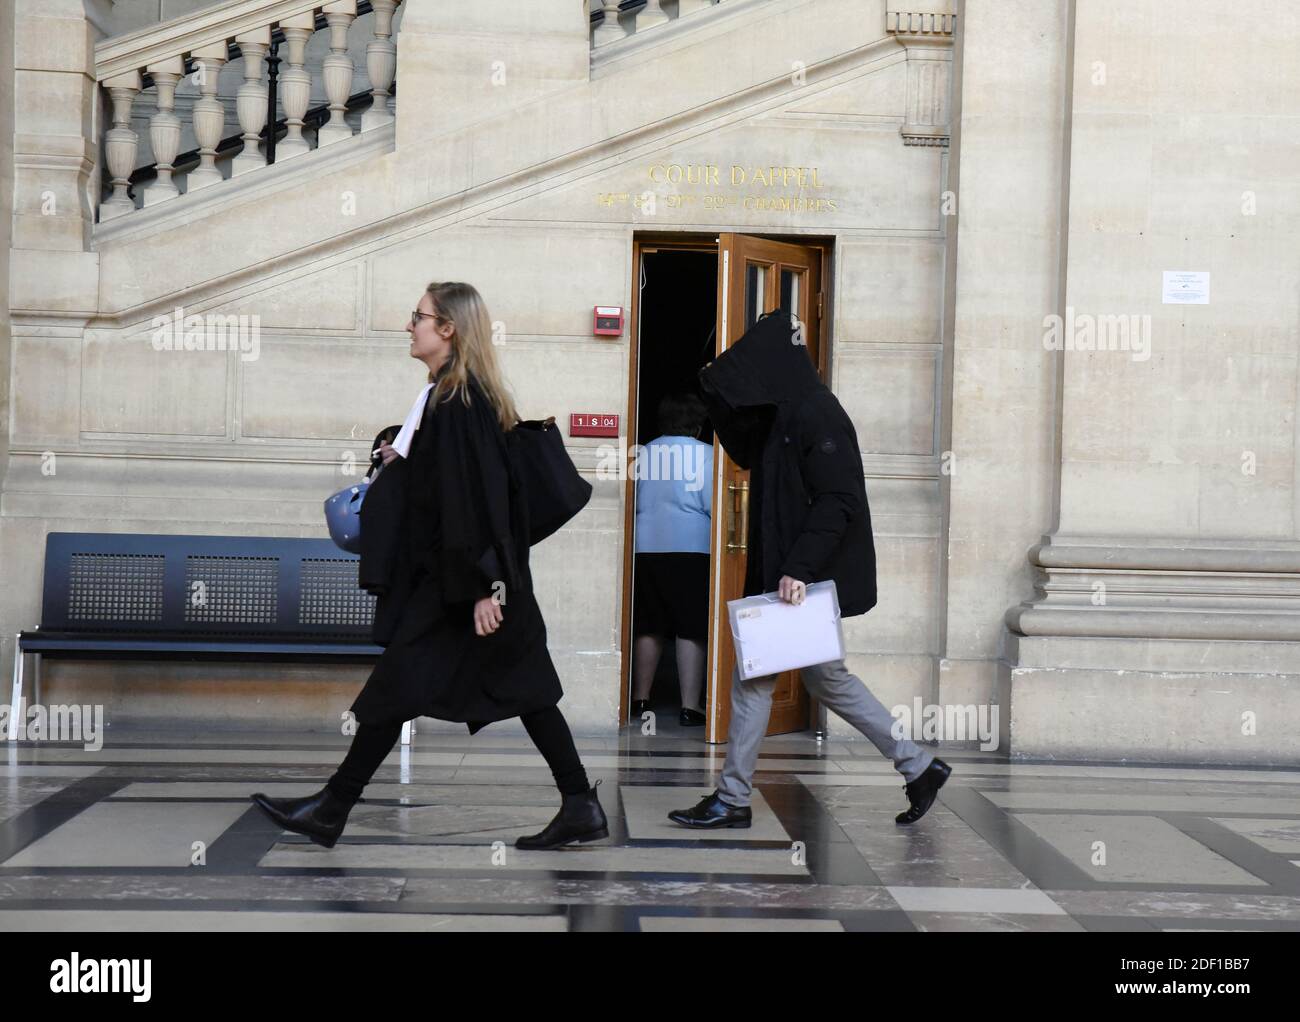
pixel 809 517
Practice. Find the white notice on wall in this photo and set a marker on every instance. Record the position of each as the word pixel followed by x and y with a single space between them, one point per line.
pixel 1184 287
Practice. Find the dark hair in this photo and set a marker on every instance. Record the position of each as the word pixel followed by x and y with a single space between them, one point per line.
pixel 681 415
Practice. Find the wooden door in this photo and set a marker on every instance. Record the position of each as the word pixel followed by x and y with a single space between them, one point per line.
pixel 755 275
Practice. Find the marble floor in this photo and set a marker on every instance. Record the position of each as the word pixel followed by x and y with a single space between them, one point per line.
pixel 155 831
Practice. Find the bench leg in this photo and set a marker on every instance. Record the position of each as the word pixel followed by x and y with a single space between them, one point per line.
pixel 406 733
pixel 36 679
pixel 15 700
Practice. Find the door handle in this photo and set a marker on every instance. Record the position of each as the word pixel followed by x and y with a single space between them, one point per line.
pixel 738 503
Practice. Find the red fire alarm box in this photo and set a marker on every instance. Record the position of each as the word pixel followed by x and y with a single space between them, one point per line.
pixel 607 321
pixel 593 424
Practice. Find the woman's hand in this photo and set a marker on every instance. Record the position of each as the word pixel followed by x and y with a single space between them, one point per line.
pixel 487 616
pixel 387 452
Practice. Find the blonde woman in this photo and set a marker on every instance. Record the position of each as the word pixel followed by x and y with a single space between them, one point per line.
pixel 445 549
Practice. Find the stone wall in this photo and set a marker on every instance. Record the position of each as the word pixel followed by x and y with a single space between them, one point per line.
pixel 1068 535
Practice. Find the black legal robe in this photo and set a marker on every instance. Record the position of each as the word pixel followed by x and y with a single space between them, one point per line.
pixel 439 531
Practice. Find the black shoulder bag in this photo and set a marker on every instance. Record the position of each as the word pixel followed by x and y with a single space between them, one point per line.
pixel 553 489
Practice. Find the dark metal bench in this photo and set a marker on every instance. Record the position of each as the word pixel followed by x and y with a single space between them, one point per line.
pixel 164 597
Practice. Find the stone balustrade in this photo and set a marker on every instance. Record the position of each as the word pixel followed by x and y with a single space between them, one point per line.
pixel 249 39
pixel 201 83
pixel 607 27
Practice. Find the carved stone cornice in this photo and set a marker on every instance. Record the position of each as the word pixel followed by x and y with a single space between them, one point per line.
pixel 920 26
pixel 927 33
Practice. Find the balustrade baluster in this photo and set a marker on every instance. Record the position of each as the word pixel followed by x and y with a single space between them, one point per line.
pixel 121 144
pixel 295 85
pixel 609 30
pixel 209 116
pixel 651 15
pixel 336 70
pixel 164 129
pixel 250 104
pixel 381 65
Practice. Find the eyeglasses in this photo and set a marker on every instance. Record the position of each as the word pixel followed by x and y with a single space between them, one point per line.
pixel 416 314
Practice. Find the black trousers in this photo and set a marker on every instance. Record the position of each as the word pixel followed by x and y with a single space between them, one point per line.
pixel 547 728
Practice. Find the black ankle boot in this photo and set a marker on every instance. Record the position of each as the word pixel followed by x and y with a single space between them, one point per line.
pixel 580 819
pixel 320 817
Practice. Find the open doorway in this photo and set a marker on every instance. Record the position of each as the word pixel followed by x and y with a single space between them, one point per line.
pixel 672 489
pixel 695 296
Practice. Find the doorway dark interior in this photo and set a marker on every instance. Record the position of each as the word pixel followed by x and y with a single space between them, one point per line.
pixel 676 337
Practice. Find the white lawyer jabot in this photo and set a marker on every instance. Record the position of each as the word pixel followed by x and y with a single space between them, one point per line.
pixel 402 445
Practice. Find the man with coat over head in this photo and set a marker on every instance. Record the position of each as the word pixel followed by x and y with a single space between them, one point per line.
pixel 809 522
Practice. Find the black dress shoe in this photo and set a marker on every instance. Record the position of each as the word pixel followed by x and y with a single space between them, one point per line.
pixel 320 817
pixel 639 706
pixel 921 792
pixel 691 718
pixel 580 819
pixel 711 811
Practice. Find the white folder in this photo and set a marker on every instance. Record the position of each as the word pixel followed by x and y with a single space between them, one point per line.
pixel 772 636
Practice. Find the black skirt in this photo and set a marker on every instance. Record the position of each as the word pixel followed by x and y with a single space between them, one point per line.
pixel 670 595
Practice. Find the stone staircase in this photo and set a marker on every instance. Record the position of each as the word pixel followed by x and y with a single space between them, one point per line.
pixel 351 169
pixel 237 87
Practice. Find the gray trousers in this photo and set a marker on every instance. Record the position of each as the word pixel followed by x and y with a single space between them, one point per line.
pixel 829 683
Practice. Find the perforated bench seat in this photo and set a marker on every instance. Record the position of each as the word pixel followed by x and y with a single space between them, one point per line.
pixel 165 597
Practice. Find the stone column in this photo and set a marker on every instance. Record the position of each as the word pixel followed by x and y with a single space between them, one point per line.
pixel 49 274
pixel 55 100
pixel 1166 622
pixel 998 424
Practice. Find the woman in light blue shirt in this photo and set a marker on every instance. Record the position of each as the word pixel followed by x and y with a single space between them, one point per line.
pixel 674 503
